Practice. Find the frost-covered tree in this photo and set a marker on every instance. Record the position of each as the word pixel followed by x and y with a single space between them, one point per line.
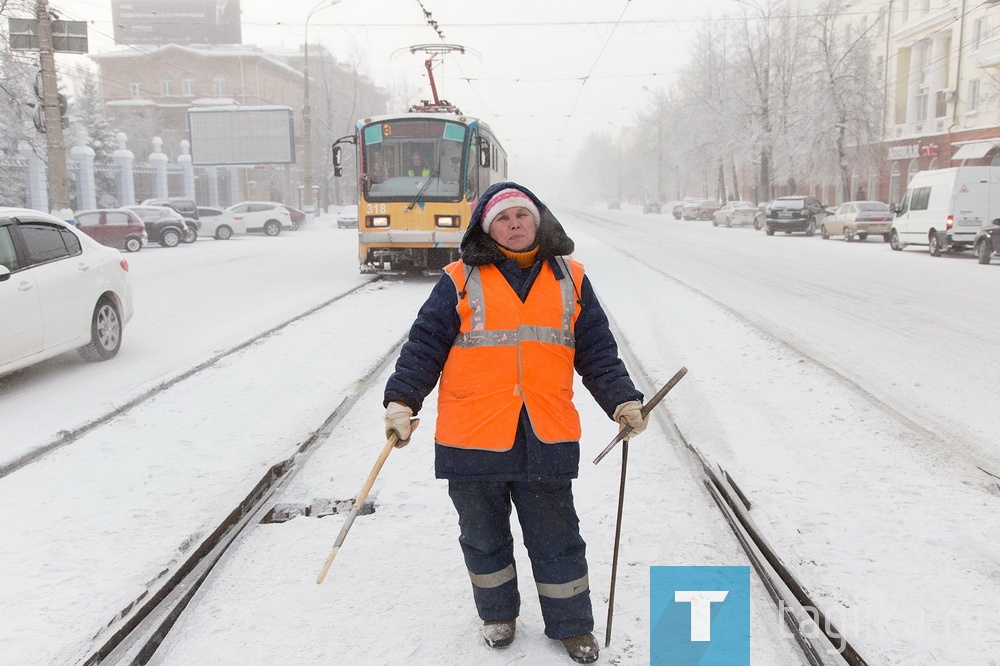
pixel 17 104
pixel 849 113
pixel 89 127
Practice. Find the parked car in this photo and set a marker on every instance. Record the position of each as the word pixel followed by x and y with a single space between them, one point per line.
pixel 50 304
pixel 988 242
pixel 187 208
pixel 944 209
pixel 614 204
pixel 219 224
pixel 760 217
pixel 298 216
pixel 163 225
pixel 652 207
pixel 115 227
pixel 703 209
pixel 734 212
pixel 678 210
pixel 795 213
pixel 347 218
pixel 858 219
pixel 269 217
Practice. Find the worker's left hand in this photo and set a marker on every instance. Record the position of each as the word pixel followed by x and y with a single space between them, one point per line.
pixel 630 414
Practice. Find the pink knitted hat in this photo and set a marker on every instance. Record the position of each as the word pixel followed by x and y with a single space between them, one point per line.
pixel 504 199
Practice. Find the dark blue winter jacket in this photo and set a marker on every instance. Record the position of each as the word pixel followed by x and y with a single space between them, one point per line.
pixel 423 356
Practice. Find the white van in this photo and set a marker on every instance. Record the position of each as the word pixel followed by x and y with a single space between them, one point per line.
pixel 944 208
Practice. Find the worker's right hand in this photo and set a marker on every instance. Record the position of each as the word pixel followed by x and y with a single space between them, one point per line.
pixel 399 420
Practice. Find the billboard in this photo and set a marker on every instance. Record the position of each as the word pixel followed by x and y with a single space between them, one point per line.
pixel 241 135
pixel 176 21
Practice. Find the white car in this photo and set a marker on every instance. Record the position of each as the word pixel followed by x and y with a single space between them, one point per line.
pixel 219 224
pixel 60 290
pixel 269 217
pixel 348 218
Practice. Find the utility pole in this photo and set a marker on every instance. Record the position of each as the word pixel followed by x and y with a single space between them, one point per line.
pixel 58 178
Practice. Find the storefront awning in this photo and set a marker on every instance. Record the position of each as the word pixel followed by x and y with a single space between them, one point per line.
pixel 973 151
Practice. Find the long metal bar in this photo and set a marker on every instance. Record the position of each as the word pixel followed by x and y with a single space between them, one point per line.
pixel 618 535
pixel 655 400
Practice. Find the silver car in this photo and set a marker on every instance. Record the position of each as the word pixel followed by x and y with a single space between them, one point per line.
pixel 858 219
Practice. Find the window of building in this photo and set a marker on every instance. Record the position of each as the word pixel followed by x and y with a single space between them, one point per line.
pixel 979 29
pixel 906 10
pixel 218 85
pixel 166 85
pixel 135 88
pixel 912 170
pixel 973 97
pixel 940 103
pixel 187 86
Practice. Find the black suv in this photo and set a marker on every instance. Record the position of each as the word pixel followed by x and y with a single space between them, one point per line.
pixel 187 208
pixel 798 213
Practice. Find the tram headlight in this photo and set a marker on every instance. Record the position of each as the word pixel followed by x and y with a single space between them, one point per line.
pixel 378 220
pixel 448 221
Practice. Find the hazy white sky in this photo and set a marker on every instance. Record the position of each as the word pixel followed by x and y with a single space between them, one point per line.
pixel 543 74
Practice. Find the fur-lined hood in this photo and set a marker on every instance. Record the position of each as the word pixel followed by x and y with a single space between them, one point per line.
pixel 478 249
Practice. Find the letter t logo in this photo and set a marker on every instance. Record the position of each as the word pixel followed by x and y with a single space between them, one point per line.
pixel 701 610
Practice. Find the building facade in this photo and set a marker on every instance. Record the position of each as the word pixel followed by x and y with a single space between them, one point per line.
pixel 939 61
pixel 148 92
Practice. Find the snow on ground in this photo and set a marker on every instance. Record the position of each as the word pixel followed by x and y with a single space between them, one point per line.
pixel 864 505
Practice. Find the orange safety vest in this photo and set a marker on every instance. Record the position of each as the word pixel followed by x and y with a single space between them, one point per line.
pixel 509 354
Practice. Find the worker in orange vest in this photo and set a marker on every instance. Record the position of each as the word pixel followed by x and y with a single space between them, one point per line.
pixel 504 329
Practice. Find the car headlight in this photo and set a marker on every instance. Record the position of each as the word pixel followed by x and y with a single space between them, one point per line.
pixel 378 220
pixel 447 221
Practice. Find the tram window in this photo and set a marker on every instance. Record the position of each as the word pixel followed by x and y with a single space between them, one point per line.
pixel 471 180
pixel 484 152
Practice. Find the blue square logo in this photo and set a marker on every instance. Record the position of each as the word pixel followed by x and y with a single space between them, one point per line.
pixel 699 616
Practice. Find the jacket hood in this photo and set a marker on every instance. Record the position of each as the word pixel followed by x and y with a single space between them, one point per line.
pixel 478 249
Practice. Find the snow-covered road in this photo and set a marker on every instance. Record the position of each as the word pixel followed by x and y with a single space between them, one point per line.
pixel 817 378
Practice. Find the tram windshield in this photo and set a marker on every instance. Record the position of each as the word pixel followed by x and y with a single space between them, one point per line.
pixel 409 156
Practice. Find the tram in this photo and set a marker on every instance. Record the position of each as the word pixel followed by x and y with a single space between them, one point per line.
pixel 420 175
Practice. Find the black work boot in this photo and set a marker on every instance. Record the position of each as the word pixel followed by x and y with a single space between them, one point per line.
pixel 582 649
pixel 499 633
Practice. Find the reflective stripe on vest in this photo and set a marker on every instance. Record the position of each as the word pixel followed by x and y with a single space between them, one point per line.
pixel 509 354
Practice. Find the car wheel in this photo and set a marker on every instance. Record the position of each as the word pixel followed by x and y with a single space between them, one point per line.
pixel 934 245
pixel 272 227
pixel 811 227
pixel 894 241
pixel 756 224
pixel 170 238
pixel 769 231
pixel 715 222
pixel 886 237
pixel 224 232
pixel 133 244
pixel 983 251
pixel 862 236
pixel 823 233
pixel 105 332
pixel 190 235
pixel 848 234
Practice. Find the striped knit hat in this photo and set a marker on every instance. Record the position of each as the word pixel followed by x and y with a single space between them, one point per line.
pixel 504 199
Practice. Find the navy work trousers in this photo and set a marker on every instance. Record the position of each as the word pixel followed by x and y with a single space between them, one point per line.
pixel 551 536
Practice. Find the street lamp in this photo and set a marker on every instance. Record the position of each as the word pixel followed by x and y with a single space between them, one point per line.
pixel 659 143
pixel 307 201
